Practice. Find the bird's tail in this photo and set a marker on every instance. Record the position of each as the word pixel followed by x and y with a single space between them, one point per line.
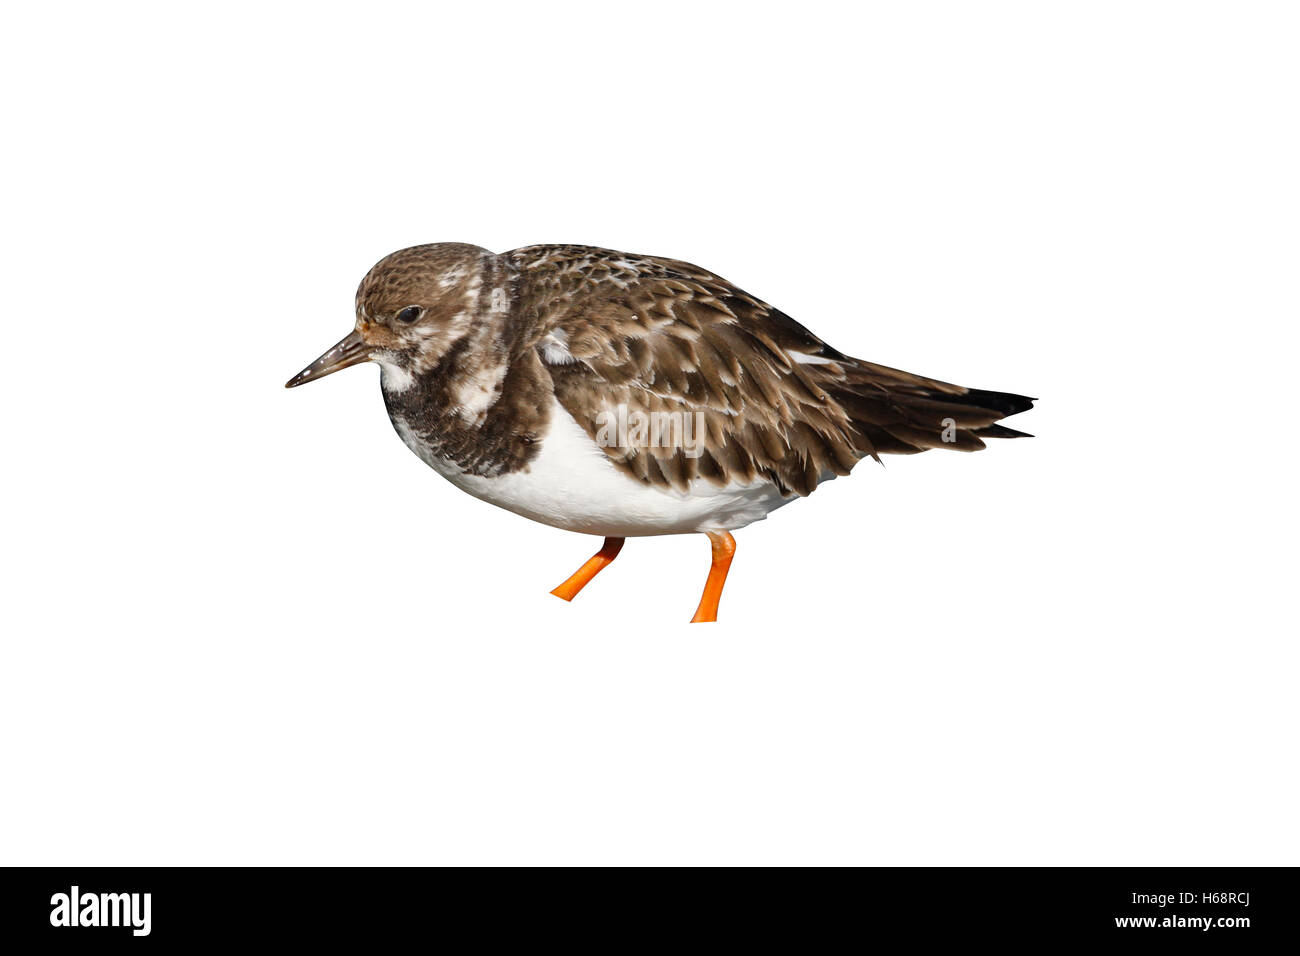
pixel 898 413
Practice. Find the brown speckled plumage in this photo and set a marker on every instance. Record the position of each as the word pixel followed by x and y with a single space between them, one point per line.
pixel 600 329
pixel 659 335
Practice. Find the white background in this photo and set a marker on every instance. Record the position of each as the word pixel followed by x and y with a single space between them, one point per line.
pixel 245 625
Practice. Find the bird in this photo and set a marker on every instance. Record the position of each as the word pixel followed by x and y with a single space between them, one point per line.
pixel 624 395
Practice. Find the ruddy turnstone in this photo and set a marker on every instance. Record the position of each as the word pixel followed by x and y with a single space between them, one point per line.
pixel 627 395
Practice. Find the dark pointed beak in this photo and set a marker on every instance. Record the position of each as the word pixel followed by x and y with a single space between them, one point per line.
pixel 349 350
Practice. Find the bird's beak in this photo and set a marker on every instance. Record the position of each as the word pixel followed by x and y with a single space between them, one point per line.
pixel 349 350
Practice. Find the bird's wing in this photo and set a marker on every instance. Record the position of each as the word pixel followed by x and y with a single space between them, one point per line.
pixel 739 390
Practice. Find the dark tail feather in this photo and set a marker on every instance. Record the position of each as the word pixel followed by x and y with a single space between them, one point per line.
pixel 1002 431
pixel 900 414
pixel 1004 402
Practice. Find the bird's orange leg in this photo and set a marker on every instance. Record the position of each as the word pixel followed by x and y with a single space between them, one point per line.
pixel 595 564
pixel 724 549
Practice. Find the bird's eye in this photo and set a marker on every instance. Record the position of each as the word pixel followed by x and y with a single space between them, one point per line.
pixel 410 314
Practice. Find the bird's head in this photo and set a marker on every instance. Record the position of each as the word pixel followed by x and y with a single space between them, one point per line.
pixel 412 306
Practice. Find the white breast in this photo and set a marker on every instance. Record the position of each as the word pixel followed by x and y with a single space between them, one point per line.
pixel 572 484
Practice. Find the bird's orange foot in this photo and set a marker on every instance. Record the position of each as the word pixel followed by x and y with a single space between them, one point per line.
pixel 724 549
pixel 595 564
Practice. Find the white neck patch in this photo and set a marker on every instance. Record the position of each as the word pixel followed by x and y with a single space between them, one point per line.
pixel 392 377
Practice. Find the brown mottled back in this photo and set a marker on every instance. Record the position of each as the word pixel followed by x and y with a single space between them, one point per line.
pixel 660 335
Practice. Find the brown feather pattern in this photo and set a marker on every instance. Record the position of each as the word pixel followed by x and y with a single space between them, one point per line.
pixel 661 335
